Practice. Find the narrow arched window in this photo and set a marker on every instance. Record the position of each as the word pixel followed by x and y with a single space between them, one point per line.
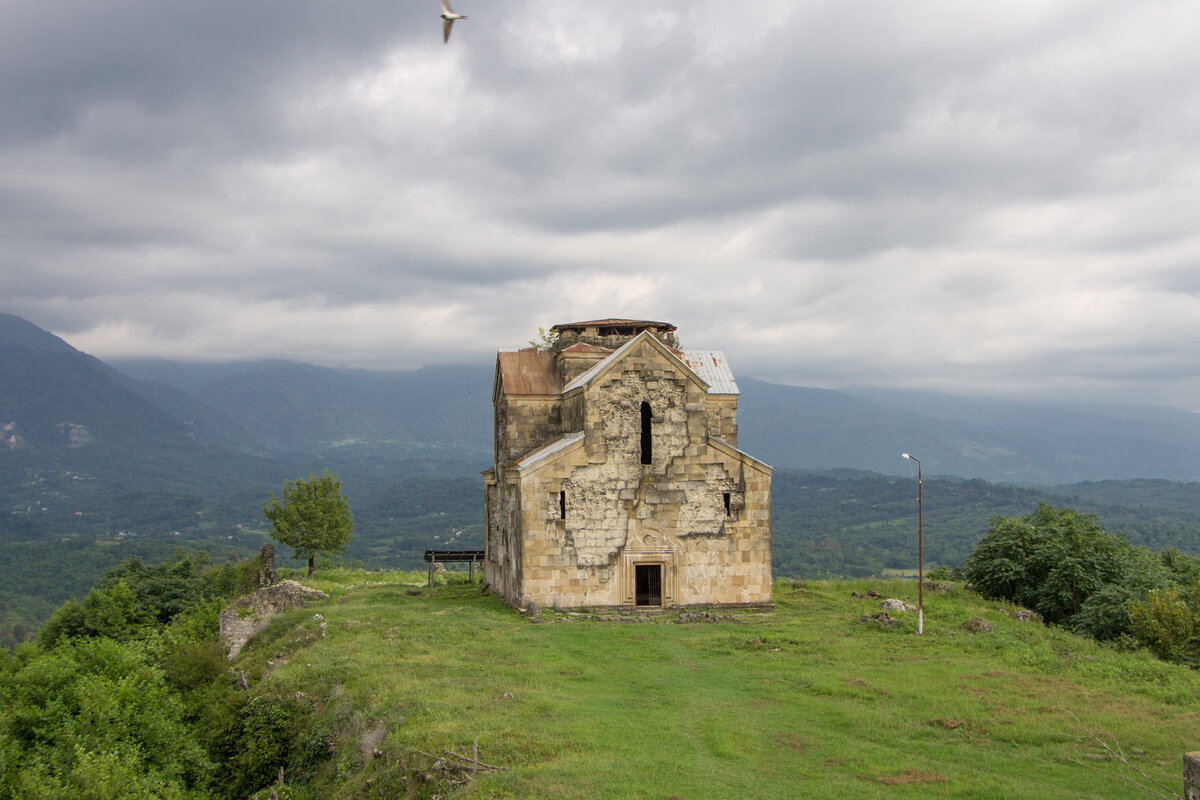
pixel 647 439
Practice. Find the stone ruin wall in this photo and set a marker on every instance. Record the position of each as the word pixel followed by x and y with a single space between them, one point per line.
pixel 500 569
pixel 618 508
pixel 587 559
pixel 527 424
pixel 619 511
pixel 722 418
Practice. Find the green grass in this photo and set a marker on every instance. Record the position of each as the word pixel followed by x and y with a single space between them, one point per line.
pixel 807 702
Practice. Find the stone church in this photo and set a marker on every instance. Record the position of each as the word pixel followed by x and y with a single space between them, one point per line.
pixel 617 479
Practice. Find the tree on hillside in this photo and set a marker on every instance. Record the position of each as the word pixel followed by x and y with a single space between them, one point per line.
pixel 1065 566
pixel 313 517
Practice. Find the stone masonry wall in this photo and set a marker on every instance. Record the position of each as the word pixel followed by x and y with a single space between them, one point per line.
pixel 722 418
pixel 621 512
pixel 529 423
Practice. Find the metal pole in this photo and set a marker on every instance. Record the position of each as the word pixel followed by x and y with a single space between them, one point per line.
pixel 920 553
pixel 920 547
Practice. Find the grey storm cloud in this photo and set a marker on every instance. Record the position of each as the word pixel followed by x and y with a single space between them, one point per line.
pixel 990 199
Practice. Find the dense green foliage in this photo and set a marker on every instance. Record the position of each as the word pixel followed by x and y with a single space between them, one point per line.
pixel 132 598
pixel 1167 620
pixel 1065 566
pixel 849 523
pixel 94 717
pixel 105 705
pixel 826 524
pixel 139 701
pixel 37 577
pixel 313 517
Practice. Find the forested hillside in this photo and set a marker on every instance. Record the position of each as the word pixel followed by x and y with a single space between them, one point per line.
pixel 386 689
pixel 96 464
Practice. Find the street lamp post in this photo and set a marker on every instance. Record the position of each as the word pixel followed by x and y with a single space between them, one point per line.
pixel 920 549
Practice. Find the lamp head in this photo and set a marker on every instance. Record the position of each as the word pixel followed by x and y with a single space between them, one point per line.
pixel 906 455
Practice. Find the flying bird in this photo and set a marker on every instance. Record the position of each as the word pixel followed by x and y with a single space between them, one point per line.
pixel 449 16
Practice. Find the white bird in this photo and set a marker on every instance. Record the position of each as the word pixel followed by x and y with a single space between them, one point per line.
pixel 449 16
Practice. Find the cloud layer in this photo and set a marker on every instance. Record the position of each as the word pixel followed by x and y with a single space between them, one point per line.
pixel 989 199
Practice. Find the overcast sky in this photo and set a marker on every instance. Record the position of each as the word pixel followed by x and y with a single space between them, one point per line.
pixel 998 198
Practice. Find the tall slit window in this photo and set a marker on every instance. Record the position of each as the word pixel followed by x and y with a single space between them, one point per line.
pixel 562 504
pixel 647 439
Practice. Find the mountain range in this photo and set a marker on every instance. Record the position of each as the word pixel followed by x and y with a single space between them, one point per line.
pixel 56 402
pixel 103 461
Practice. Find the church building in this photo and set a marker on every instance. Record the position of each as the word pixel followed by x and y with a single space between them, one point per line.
pixel 617 480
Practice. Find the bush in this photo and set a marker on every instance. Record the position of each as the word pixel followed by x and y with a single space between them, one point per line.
pixel 91 714
pixel 1166 623
pixel 1065 566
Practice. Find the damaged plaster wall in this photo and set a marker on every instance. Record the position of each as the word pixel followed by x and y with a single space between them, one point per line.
pixel 700 509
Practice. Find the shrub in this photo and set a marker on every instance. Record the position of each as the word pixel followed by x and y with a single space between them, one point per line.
pixel 1165 622
pixel 1065 566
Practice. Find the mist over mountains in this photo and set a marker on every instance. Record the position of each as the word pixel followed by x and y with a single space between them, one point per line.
pixel 100 461
pixel 55 401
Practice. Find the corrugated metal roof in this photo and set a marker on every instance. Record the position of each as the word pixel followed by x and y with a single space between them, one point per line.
pixel 528 371
pixel 614 323
pixel 554 447
pixel 712 367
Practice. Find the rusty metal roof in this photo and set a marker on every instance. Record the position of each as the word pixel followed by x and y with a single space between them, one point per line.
pixel 640 324
pixel 528 371
pixel 712 367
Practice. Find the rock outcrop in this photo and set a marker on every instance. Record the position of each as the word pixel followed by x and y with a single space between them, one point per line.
pixel 246 616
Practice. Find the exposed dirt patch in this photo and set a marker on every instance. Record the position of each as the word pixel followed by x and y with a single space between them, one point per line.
pixel 965 728
pixel 947 723
pixel 793 740
pixel 861 684
pixel 370 741
pixel 911 776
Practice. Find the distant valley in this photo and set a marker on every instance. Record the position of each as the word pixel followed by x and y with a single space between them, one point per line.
pixel 99 460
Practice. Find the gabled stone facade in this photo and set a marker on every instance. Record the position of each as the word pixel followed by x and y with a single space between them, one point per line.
pixel 618 481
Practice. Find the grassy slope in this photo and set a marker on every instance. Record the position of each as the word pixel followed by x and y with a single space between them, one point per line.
pixel 806 703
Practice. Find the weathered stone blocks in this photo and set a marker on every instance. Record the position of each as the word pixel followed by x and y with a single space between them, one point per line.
pixel 697 514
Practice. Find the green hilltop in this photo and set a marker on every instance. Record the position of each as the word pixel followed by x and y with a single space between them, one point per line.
pixel 388 690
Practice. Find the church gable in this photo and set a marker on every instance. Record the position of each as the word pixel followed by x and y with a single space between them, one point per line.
pixel 647 351
pixel 624 496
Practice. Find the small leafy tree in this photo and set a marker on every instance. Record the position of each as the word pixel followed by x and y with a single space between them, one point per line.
pixel 546 340
pixel 1168 624
pixel 1065 566
pixel 313 517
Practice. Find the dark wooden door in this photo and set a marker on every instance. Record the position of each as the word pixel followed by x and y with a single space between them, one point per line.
pixel 648 579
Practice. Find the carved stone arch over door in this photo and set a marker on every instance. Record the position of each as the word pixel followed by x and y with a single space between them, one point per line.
pixel 649 573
